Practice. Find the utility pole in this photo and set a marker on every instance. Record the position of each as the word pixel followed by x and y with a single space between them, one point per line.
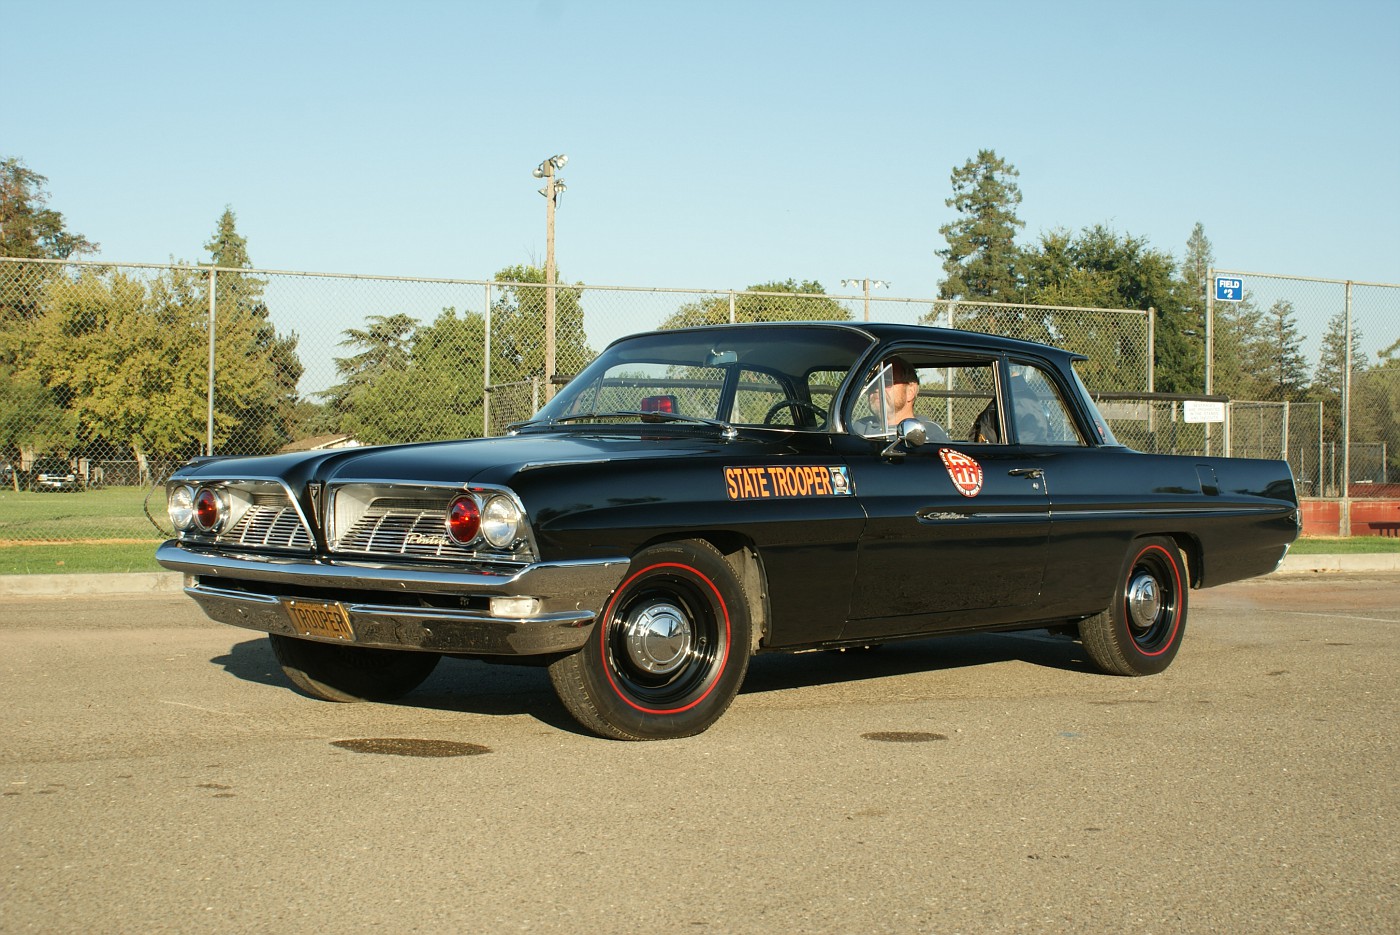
pixel 553 188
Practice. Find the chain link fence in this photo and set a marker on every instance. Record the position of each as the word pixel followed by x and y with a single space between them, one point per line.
pixel 110 375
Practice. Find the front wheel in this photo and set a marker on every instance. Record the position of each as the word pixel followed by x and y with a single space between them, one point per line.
pixel 351 673
pixel 669 651
pixel 1141 631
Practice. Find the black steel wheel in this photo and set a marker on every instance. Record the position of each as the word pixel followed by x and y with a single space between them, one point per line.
pixel 333 672
pixel 669 651
pixel 1141 631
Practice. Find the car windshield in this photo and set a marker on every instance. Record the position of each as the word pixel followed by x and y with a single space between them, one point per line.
pixel 783 376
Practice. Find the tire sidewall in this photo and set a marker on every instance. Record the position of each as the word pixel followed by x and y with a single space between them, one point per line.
pixel 709 582
pixel 1165 558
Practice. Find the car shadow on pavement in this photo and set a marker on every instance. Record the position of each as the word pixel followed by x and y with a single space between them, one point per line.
pixel 466 686
pixel 778 671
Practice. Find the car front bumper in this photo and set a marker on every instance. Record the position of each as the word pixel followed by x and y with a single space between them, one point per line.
pixel 381 603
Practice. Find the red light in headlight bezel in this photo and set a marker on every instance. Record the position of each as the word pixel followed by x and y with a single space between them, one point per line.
pixel 463 520
pixel 208 510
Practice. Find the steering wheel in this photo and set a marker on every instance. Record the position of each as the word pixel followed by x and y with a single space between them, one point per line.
pixel 781 404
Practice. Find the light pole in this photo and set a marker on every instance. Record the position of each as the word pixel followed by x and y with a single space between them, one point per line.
pixel 866 285
pixel 553 188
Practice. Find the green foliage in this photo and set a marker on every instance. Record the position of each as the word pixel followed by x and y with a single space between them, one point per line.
pixel 1284 370
pixel 265 418
pixel 1376 404
pixel 789 300
pixel 982 260
pixel 518 327
pixel 27 227
pixel 31 420
pixel 1331 366
pixel 433 390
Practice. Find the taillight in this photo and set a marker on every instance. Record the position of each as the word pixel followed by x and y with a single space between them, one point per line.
pixel 208 510
pixel 463 520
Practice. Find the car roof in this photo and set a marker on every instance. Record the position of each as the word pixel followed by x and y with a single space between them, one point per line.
pixel 895 333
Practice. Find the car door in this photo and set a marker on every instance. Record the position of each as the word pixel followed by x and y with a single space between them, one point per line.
pixel 956 531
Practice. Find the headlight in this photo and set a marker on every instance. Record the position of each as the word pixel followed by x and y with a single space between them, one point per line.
pixel 500 522
pixel 180 505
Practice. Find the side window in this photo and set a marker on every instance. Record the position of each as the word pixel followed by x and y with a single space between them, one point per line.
pixel 1038 408
pixel 949 394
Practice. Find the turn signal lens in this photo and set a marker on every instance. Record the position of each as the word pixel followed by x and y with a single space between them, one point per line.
pixel 463 520
pixel 208 510
pixel 180 506
pixel 500 522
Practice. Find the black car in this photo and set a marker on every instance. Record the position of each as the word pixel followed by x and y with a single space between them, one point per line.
pixel 697 496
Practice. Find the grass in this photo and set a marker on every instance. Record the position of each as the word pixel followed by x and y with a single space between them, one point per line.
pixel 93 532
pixel 106 531
pixel 1354 545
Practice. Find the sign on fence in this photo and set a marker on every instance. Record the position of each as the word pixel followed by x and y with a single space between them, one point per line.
pixel 1200 410
pixel 1228 289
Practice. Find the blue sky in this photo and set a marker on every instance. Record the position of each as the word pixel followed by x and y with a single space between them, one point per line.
pixel 711 145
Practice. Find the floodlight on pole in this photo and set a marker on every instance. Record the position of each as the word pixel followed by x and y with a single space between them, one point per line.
pixel 866 285
pixel 553 188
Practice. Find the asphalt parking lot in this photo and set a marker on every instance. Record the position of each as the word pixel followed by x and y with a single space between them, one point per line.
pixel 156 774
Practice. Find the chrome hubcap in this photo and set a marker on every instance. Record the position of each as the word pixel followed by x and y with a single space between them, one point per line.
pixel 657 638
pixel 1144 601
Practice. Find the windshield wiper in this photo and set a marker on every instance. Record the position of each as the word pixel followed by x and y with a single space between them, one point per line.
pixel 727 429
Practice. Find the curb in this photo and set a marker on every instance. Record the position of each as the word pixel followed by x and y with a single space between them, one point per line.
pixel 153 582
pixel 1351 564
pixel 170 582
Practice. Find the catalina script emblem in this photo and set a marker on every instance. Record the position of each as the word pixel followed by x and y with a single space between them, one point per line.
pixel 965 472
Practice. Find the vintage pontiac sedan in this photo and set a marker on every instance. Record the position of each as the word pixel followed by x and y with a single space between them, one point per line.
pixel 697 496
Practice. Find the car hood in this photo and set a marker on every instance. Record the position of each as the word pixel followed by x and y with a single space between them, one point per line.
pixel 478 460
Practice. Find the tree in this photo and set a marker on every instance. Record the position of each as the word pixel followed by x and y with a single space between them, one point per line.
pixel 1284 371
pixel 982 260
pixel 436 392
pixel 1099 268
pixel 385 348
pixel 1241 349
pixel 1181 329
pixel 1375 408
pixel 1331 366
pixel 517 327
pixel 28 228
pixel 239 305
pixel 789 300
pixel 31 420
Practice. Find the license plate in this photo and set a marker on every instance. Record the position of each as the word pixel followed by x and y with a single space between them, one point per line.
pixel 320 618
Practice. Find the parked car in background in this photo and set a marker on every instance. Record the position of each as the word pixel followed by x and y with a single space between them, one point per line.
pixel 697 496
pixel 54 474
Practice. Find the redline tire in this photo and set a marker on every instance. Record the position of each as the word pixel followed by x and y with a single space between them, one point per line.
pixel 1141 631
pixel 669 651
pixel 332 672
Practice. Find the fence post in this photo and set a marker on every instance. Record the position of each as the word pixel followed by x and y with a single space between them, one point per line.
pixel 1346 409
pixel 486 372
pixel 732 318
pixel 209 422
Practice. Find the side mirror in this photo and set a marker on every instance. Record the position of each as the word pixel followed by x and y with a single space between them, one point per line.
pixel 912 432
pixel 908 434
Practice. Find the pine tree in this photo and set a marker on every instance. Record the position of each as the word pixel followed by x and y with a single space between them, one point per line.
pixel 982 260
pixel 1285 372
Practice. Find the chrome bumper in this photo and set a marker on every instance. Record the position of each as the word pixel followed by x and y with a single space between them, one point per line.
pixel 571 595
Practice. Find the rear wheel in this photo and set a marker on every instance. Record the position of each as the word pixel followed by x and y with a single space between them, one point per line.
pixel 669 651
pixel 351 673
pixel 1141 631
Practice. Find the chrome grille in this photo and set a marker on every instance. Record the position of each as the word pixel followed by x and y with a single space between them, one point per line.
pixel 269 525
pixel 409 528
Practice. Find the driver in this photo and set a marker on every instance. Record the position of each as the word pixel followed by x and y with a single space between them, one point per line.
pixel 898 383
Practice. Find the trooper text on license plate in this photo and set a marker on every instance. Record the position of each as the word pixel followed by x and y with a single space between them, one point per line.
pixel 319 618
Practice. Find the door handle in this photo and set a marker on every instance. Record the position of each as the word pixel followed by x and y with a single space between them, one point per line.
pixel 1026 472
